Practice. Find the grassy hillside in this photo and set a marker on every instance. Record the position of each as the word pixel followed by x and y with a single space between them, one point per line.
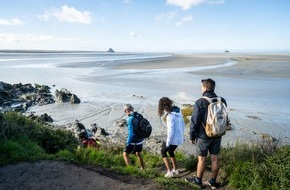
pixel 242 167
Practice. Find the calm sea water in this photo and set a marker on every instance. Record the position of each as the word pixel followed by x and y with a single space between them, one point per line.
pixel 62 68
pixel 77 71
pixel 71 59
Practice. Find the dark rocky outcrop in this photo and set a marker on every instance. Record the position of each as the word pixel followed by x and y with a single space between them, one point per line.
pixel 74 99
pixel 93 131
pixel 120 123
pixel 77 127
pixel 18 97
pixel 64 95
pixel 102 132
pixel 42 118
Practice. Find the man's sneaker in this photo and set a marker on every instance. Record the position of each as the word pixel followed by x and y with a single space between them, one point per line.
pixel 194 181
pixel 212 184
pixel 169 174
pixel 175 172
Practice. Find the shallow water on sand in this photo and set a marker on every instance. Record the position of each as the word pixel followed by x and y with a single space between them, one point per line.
pixel 257 105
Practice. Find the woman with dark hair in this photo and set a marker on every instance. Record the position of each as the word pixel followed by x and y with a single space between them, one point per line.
pixel 175 129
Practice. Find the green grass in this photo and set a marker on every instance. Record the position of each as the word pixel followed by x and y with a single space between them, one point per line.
pixel 244 166
pixel 22 149
pixel 252 167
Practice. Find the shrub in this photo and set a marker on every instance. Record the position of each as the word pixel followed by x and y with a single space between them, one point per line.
pixel 15 126
pixel 187 111
pixel 275 171
pixel 251 167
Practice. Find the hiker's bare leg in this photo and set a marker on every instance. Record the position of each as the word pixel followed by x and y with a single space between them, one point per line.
pixel 166 162
pixel 126 158
pixel 140 158
pixel 201 166
pixel 214 166
pixel 174 164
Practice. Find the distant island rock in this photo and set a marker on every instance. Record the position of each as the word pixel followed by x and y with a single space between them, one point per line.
pixel 227 51
pixel 111 50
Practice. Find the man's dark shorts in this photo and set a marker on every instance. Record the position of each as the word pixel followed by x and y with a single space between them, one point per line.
pixel 212 146
pixel 132 149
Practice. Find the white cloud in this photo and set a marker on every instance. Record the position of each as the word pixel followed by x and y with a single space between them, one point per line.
pixel 166 16
pixel 13 21
pixel 12 38
pixel 133 34
pixel 187 4
pixel 67 14
pixel 184 20
pixel 42 41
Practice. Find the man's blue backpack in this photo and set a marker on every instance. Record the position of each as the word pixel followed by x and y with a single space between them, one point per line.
pixel 142 127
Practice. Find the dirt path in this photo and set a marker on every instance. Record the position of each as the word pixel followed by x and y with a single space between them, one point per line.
pixel 60 175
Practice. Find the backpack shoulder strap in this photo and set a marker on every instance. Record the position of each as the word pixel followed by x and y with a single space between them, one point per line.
pixel 135 121
pixel 208 99
pixel 211 99
pixel 219 99
pixel 138 115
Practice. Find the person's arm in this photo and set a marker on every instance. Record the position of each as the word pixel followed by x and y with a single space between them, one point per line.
pixel 194 123
pixel 170 123
pixel 228 121
pixel 130 131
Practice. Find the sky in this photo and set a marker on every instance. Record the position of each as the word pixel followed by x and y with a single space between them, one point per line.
pixel 146 25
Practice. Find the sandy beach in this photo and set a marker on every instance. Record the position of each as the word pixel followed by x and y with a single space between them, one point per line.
pixel 254 85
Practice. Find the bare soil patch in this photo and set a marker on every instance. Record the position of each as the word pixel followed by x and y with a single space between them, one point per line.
pixel 62 175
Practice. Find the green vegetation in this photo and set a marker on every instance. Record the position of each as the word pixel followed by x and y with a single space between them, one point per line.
pixel 186 111
pixel 256 167
pixel 242 166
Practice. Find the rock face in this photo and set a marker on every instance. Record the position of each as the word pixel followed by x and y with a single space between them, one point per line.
pixel 80 131
pixel 74 99
pixel 18 97
pixel 111 50
pixel 42 118
pixel 77 128
pixel 64 95
pixel 120 123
